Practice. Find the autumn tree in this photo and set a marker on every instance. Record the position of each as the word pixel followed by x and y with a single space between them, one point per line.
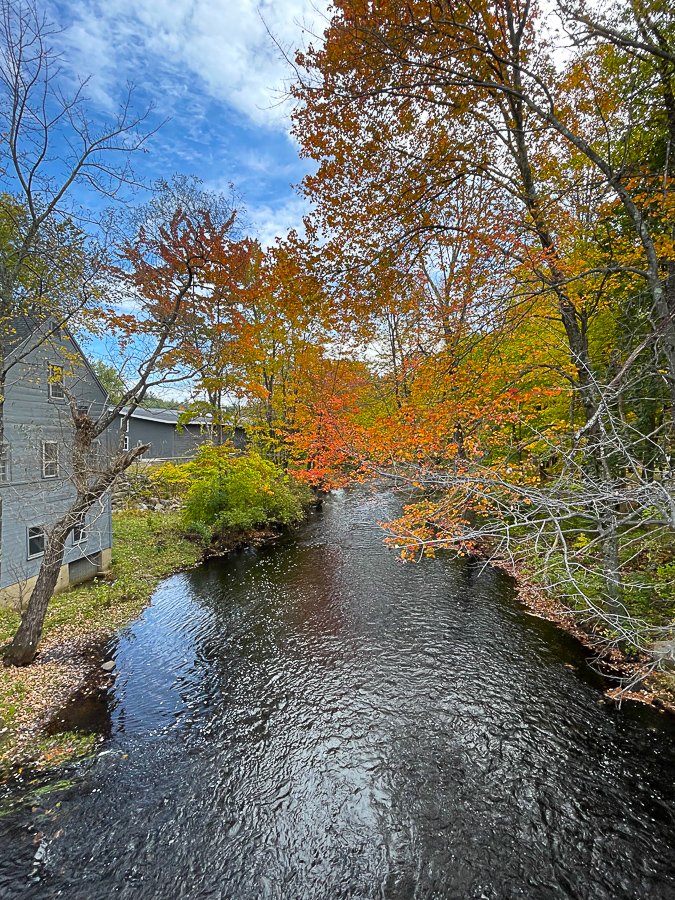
pixel 159 266
pixel 482 81
pixel 289 312
pixel 557 367
pixel 217 335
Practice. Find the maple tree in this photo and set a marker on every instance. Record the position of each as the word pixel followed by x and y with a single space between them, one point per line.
pixel 498 220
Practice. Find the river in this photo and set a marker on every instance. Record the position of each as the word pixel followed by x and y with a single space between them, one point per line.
pixel 317 719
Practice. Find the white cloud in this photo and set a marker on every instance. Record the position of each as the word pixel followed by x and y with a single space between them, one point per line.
pixel 223 44
pixel 276 220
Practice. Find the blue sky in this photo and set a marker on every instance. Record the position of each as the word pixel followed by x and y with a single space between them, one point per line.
pixel 211 69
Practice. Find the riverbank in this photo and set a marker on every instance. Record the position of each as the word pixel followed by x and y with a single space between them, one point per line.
pixel 321 715
pixel 148 547
pixel 214 504
pixel 635 677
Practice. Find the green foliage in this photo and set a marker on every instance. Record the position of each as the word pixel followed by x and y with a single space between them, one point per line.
pixel 224 492
pixel 51 263
pixel 111 380
pixel 240 493
pixel 152 401
pixel 171 479
pixel 200 533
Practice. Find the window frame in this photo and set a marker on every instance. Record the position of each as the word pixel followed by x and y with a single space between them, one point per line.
pixel 5 463
pixel 81 526
pixel 40 529
pixel 54 462
pixel 56 383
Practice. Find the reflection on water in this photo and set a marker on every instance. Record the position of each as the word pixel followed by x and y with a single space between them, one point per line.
pixel 318 720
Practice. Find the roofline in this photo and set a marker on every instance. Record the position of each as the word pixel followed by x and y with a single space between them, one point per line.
pixel 135 415
pixel 63 326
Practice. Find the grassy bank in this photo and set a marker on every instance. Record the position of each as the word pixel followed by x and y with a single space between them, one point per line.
pixel 227 500
pixel 147 547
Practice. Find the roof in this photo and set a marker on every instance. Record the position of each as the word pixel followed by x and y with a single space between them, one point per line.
pixel 168 416
pixel 49 332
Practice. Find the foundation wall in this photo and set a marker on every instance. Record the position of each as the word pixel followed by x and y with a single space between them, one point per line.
pixel 18 595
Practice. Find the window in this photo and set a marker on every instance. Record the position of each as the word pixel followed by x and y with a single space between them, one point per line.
pixel 125 443
pixel 4 463
pixel 36 541
pixel 50 459
pixel 56 382
pixel 80 531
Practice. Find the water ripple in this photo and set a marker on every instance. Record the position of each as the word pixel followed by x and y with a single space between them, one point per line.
pixel 317 720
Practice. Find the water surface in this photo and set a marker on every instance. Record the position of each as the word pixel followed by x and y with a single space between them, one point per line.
pixel 319 720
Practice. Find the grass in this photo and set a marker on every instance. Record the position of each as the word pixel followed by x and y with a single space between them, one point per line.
pixel 147 547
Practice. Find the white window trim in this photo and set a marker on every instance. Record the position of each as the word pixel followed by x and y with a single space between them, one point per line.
pixel 5 467
pixel 51 384
pixel 82 525
pixel 54 461
pixel 30 528
pixel 125 438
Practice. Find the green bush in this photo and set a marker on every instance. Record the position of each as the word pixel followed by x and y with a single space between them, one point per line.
pixel 238 493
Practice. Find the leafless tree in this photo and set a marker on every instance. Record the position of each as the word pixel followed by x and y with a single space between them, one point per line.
pixel 52 145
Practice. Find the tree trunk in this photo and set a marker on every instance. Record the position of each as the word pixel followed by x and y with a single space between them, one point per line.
pixel 576 334
pixel 24 645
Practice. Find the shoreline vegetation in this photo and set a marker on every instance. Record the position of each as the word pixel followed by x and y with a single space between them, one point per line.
pixel 635 678
pixel 151 544
pixel 222 503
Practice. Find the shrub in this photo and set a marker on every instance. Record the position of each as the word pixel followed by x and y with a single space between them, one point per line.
pixel 170 479
pixel 237 493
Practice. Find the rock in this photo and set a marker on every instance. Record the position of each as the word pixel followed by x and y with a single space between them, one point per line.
pixel 108 666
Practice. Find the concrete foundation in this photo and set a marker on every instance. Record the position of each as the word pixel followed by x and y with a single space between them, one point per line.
pixel 18 594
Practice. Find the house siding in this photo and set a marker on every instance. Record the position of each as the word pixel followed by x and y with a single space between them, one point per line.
pixel 169 441
pixel 166 440
pixel 30 417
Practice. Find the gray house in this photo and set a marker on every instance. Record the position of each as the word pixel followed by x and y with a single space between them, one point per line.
pixel 169 438
pixel 35 488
